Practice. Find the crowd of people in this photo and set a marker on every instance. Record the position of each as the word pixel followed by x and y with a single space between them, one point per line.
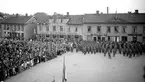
pixel 18 55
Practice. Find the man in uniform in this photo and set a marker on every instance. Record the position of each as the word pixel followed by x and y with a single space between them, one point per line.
pixel 109 50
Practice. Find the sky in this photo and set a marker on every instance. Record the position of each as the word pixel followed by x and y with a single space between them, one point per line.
pixel 74 7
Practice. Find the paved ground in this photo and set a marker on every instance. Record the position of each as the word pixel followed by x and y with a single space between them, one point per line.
pixel 86 68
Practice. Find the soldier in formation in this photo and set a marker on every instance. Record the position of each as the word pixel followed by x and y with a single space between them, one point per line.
pixel 110 48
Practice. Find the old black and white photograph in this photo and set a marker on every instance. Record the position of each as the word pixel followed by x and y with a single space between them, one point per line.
pixel 72 41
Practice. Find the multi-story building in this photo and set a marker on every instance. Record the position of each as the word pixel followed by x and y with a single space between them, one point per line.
pixel 93 27
pixel 75 29
pixel 115 27
pixel 59 26
pixel 19 27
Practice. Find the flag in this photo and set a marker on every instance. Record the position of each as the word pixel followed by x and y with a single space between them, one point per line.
pixel 64 68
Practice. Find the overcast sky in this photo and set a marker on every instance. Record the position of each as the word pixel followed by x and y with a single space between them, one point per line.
pixel 71 6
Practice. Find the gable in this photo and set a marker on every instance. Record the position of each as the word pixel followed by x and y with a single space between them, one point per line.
pixel 31 20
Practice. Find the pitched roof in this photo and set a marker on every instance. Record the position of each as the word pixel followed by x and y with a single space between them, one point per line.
pixel 59 16
pixel 1 18
pixel 44 18
pixel 75 20
pixel 114 18
pixel 17 20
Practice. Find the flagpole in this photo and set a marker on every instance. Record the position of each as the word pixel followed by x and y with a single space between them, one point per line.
pixel 63 73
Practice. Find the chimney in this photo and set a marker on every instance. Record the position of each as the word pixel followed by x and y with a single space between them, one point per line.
pixel 67 13
pixel 97 12
pixel 26 14
pixel 107 10
pixel 55 13
pixel 136 12
pixel 129 12
pixel 17 15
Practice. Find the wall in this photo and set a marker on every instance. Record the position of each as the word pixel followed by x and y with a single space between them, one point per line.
pixel 73 29
pixel 58 23
pixel 29 31
pixel 120 34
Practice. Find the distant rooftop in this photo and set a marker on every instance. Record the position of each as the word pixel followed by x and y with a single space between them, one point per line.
pixel 16 20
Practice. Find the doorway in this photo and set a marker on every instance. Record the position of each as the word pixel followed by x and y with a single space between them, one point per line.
pixel 95 39
pixel 103 38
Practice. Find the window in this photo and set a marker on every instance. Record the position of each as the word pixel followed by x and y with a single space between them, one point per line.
pixel 116 29
pixel 89 28
pixel 7 27
pixel 61 36
pixel 76 36
pixel 144 29
pixel 108 29
pixel 54 36
pixel 68 36
pixel 134 29
pixel 134 38
pixel 144 38
pixel 47 35
pixel 54 28
pixel 47 28
pixel 18 35
pixel 8 33
pixel 18 27
pixel 108 38
pixel 15 28
pixel 54 20
pixel 124 29
pixel 22 35
pixel 61 20
pixel 76 29
pixel 98 28
pixel 124 38
pixel 69 29
pixel 61 28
